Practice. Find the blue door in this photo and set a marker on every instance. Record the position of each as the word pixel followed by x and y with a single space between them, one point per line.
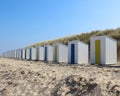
pixel 30 54
pixel 72 53
pixel 25 53
pixel 45 53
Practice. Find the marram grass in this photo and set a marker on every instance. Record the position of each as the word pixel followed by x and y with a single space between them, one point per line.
pixel 85 37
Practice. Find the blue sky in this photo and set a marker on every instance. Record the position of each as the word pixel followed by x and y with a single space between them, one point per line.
pixel 24 22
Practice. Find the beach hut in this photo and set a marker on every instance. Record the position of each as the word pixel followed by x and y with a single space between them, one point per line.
pixel 17 54
pixel 77 52
pixel 12 54
pixel 103 50
pixel 28 54
pixel 48 53
pixel 34 53
pixel 23 53
pixel 20 54
pixel 40 53
pixel 31 53
pixel 60 53
pixel 5 54
pixel 8 54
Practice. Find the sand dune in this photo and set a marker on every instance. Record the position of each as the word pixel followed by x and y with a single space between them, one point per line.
pixel 28 78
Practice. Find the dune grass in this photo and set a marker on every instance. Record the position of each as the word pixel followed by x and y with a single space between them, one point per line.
pixel 85 37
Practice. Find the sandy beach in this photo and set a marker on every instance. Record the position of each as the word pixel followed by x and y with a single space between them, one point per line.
pixel 35 78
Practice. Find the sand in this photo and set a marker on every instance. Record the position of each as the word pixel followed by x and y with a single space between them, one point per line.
pixel 32 78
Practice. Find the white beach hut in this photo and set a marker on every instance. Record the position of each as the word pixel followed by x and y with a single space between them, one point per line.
pixel 77 52
pixel 20 54
pixel 103 50
pixel 48 53
pixel 13 52
pixel 40 53
pixel 10 54
pixel 34 53
pixel 28 54
pixel 17 54
pixel 4 54
pixel 31 53
pixel 23 53
pixel 7 54
pixel 60 53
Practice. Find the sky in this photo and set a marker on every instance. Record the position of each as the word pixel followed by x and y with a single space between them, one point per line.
pixel 25 22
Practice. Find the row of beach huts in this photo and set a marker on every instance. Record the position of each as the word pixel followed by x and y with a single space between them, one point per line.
pixel 103 50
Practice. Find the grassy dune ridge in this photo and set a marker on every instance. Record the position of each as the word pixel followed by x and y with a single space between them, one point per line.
pixel 85 37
